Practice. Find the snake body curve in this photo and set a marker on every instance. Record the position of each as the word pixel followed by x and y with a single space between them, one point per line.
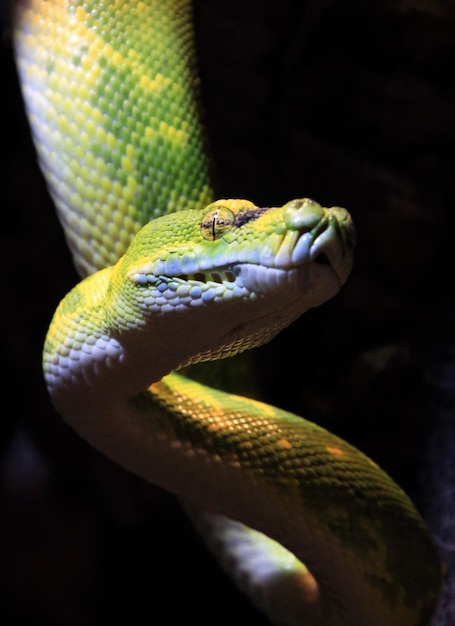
pixel 174 278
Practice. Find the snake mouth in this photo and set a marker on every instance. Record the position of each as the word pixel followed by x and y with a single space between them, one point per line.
pixel 219 276
pixel 281 254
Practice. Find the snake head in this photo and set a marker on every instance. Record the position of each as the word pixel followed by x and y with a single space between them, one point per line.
pixel 215 244
pixel 232 274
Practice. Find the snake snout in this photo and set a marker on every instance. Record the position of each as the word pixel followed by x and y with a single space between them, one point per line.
pixel 334 242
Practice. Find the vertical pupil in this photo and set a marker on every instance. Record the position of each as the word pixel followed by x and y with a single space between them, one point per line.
pixel 214 225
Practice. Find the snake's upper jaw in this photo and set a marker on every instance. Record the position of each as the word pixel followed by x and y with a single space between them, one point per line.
pixel 335 243
pixel 310 251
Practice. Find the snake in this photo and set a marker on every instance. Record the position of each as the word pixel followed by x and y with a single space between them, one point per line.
pixel 311 529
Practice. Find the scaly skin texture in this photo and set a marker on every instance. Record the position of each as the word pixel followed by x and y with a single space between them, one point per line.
pixel 112 96
pixel 115 117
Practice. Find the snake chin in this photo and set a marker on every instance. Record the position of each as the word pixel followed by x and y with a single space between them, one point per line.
pixel 285 295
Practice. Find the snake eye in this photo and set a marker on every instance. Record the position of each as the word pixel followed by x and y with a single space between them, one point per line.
pixel 217 222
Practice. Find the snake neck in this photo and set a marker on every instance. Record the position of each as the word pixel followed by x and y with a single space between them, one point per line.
pixel 181 295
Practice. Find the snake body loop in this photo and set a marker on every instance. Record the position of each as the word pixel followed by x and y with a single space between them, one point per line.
pixel 172 279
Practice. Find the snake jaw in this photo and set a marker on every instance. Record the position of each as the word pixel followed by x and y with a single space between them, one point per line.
pixel 300 233
pixel 334 245
pixel 318 243
pixel 253 267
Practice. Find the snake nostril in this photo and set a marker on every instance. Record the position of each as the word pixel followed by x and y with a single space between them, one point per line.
pixel 322 259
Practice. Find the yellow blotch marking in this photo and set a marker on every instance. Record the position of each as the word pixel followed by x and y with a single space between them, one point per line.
pixel 130 189
pixel 284 443
pixel 149 133
pixel 156 83
pixel 111 141
pixel 106 186
pixel 116 58
pixel 334 451
pixel 100 166
pixel 80 119
pixel 91 292
pixel 81 15
pixel 262 409
pixel 127 165
pixel 90 128
pixel 100 134
pixel 116 189
pixel 63 124
pixel 172 134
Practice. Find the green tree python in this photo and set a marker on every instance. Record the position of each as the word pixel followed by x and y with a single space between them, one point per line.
pixel 310 528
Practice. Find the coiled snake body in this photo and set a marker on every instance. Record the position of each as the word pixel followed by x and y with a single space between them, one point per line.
pixel 112 97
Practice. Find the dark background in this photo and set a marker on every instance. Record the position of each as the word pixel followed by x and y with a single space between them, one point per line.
pixel 348 102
